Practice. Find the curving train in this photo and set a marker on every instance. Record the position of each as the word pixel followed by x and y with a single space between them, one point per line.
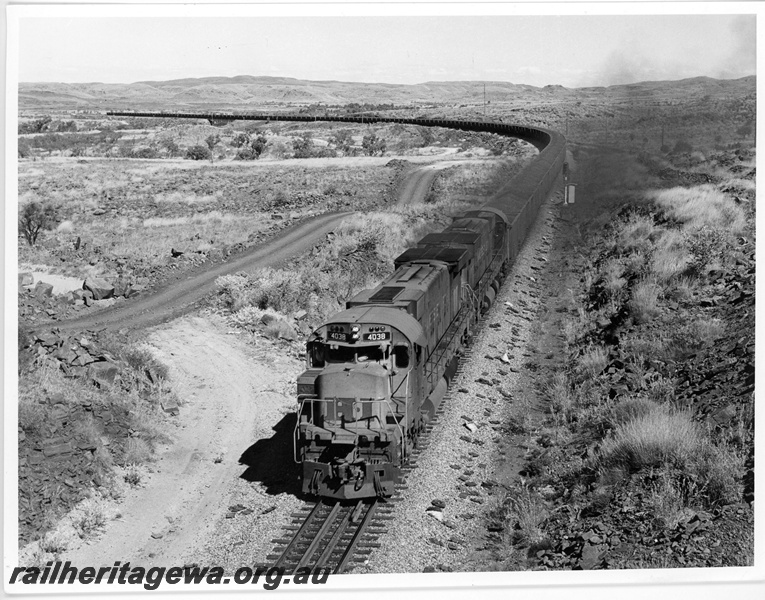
pixel 377 371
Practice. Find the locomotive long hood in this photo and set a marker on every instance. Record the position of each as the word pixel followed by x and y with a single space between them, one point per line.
pixel 366 381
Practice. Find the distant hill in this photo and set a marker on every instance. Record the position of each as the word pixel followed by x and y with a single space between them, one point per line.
pixel 245 91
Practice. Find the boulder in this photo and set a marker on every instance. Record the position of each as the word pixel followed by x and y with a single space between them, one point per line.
pixel 268 318
pixel 100 288
pixel 103 372
pixel 122 287
pixel 26 279
pixel 43 290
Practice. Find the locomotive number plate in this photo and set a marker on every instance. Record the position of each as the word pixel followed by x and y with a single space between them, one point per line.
pixel 337 335
pixel 377 337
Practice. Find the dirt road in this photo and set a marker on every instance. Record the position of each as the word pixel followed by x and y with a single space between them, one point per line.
pixel 179 297
pixel 418 181
pixel 233 393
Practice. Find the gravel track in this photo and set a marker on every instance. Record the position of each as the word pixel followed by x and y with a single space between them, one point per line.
pixel 180 296
pixel 416 540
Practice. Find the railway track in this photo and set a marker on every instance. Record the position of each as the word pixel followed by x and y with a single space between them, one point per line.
pixel 329 535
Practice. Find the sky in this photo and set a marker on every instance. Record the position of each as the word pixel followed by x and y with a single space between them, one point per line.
pixel 564 49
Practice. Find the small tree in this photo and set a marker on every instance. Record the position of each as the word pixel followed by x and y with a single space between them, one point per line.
pixel 212 141
pixel 241 140
pixel 343 141
pixel 171 147
pixel 373 145
pixel 36 216
pixel 253 149
pixel 303 146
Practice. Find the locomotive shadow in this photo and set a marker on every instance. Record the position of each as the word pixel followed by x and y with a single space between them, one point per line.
pixel 271 461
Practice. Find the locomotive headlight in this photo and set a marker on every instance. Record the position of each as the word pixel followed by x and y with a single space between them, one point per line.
pixel 355 332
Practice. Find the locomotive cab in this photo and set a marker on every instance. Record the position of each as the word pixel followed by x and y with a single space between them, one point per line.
pixel 354 411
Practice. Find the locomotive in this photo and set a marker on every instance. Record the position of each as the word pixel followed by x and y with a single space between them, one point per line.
pixel 377 371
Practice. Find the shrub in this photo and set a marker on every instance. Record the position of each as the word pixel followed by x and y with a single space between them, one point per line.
pixel 24 149
pixel 132 476
pixel 373 145
pixel 280 329
pixel 65 227
pixel 198 152
pixel 53 543
pixel 234 290
pixel 705 245
pixel 302 146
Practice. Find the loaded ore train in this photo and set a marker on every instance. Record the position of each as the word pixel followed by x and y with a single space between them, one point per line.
pixel 377 371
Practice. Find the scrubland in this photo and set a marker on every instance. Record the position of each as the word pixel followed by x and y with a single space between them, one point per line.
pixel 647 426
pixel 631 441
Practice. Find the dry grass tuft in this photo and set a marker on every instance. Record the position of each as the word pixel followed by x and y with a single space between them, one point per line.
pixel 90 516
pixel 593 361
pixel 644 301
pixel 637 234
pixel 631 409
pixel 562 399
pixel 523 513
pixel 137 452
pixel 658 438
pixel 667 503
pixel 701 206
pixel 670 257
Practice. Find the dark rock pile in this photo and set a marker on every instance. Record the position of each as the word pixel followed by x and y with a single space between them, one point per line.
pixel 68 448
pixel 60 463
pixel 37 302
pixel 78 355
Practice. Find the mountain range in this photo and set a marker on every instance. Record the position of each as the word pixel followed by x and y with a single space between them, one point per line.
pixel 245 91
